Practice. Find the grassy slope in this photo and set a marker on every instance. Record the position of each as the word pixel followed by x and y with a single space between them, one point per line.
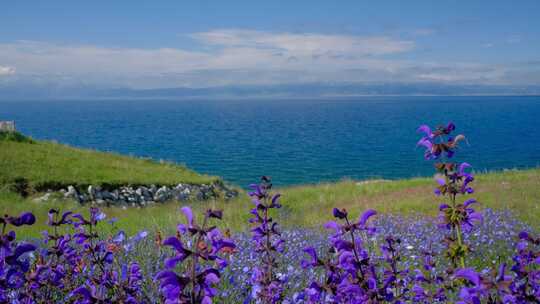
pixel 46 163
pixel 311 205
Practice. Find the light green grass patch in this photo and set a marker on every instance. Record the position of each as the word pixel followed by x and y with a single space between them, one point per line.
pixel 311 205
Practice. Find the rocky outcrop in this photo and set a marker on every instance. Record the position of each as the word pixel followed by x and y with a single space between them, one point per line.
pixel 140 196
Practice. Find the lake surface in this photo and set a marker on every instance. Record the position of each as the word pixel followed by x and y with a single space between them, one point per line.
pixel 294 141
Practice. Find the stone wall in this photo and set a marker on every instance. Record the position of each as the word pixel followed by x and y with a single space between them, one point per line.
pixel 143 195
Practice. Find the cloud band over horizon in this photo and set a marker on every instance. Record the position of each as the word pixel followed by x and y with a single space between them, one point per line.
pixel 223 57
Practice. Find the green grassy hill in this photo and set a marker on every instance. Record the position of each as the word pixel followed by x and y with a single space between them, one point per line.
pixel 43 165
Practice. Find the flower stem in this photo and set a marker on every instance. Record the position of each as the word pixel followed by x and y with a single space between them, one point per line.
pixel 458 234
pixel 460 243
pixel 195 258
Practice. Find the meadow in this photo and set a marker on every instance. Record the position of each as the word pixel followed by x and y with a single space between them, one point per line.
pixel 378 241
pixel 309 206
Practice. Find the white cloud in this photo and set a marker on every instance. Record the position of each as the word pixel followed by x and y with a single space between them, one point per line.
pixel 45 58
pixel 306 44
pixel 6 70
pixel 232 57
pixel 465 73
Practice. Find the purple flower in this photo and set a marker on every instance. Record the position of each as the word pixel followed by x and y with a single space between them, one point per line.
pixel 64 219
pixel 468 274
pixel 366 216
pixel 340 214
pixel 181 252
pixel 426 130
pixel 25 218
pixel 314 261
pixel 188 214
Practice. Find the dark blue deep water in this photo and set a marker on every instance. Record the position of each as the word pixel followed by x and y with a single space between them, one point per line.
pixel 292 141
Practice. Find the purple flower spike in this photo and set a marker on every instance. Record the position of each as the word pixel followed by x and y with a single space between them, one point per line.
pixel 455 181
pixel 267 286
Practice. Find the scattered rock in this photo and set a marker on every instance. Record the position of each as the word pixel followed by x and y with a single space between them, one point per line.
pixel 43 198
pixel 371 181
pixel 182 196
pixel 162 194
pixel 231 194
pixel 91 192
pixel 72 193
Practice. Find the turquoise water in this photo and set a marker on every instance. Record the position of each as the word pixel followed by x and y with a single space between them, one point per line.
pixel 300 141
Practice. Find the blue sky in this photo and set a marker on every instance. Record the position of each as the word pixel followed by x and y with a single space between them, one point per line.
pixel 153 44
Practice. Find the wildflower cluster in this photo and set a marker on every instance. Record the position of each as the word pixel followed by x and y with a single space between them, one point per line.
pixel 459 218
pixel 102 280
pixel 76 266
pixel 199 254
pixel 349 273
pixel 352 274
pixel 267 241
pixel 14 262
pixel 369 259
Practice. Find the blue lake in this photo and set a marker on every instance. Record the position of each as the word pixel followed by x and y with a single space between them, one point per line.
pixel 294 141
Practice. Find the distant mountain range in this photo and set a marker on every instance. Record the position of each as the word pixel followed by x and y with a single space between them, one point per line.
pixel 311 90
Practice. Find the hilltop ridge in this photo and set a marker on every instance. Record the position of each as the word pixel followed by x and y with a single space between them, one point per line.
pixel 30 166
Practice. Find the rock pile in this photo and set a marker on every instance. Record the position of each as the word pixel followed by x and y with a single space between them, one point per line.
pixel 145 195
